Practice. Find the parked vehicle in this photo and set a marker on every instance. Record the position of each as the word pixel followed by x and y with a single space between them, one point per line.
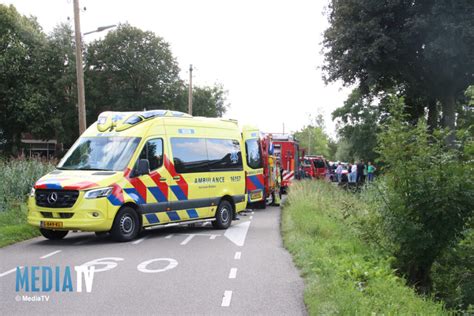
pixel 142 169
pixel 286 149
pixel 316 166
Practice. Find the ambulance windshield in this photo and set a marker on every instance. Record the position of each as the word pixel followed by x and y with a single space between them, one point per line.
pixel 254 160
pixel 100 153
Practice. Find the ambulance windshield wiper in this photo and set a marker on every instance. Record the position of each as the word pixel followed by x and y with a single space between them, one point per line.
pixel 94 169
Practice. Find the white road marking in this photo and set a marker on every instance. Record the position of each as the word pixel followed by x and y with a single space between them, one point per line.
pixel 250 217
pixel 233 273
pixel 136 242
pixel 205 224
pixel 169 236
pixel 50 254
pixel 142 267
pixel 9 271
pixel 226 299
pixel 237 256
pixel 237 233
pixel 252 212
pixel 213 236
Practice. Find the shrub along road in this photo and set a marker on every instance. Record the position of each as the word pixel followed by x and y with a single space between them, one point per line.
pixel 199 270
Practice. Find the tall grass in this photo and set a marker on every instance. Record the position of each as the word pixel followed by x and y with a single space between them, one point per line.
pixel 16 179
pixel 343 274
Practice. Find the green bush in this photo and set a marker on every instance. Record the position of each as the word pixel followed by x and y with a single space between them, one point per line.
pixel 343 274
pixel 428 196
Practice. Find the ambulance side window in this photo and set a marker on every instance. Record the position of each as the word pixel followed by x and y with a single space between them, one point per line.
pixel 153 151
pixel 224 154
pixel 189 155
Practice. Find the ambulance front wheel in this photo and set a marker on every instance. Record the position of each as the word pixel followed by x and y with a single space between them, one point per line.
pixel 126 225
pixel 224 215
pixel 53 234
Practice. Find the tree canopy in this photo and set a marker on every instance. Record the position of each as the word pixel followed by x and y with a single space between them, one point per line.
pixel 422 49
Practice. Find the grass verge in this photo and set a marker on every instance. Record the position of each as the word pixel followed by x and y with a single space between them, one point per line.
pixel 343 275
pixel 13 226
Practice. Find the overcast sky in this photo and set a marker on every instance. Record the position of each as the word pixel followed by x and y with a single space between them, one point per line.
pixel 266 53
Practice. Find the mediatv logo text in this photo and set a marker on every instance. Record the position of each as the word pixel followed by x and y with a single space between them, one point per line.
pixel 57 279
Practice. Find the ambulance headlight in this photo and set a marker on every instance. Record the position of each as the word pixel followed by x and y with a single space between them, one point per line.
pixel 98 193
pixel 32 192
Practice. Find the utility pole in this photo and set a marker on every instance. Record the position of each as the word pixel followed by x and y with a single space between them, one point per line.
pixel 190 93
pixel 81 99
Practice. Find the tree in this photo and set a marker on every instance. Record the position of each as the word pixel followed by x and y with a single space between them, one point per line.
pixel 313 138
pixel 23 100
pixel 420 48
pixel 358 124
pixel 130 70
pixel 59 64
pixel 210 101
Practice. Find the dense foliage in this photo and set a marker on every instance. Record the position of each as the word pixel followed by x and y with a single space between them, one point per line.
pixel 344 275
pixel 422 49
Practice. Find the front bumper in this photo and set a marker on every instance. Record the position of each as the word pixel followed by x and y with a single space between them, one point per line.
pixel 85 215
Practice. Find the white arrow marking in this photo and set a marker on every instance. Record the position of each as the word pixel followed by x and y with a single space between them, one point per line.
pixel 237 233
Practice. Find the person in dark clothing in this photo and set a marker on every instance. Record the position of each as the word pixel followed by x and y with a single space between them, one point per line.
pixel 360 171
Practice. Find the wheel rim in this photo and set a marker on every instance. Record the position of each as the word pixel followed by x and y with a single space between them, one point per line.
pixel 127 224
pixel 225 215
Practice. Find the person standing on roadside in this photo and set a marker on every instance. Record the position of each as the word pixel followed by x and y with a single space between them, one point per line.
pixel 353 174
pixel 360 171
pixel 370 172
pixel 339 172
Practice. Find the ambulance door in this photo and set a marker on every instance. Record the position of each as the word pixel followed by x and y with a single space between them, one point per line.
pixel 226 176
pixel 150 191
pixel 187 165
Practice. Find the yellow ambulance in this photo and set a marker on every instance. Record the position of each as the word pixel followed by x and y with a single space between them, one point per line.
pixel 253 165
pixel 134 170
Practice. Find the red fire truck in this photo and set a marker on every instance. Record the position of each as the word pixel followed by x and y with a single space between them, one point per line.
pixel 286 149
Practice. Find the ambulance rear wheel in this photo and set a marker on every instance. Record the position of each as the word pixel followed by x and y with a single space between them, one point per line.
pixel 126 225
pixel 224 215
pixel 53 234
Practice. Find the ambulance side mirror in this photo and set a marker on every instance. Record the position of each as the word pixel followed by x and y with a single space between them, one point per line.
pixel 143 167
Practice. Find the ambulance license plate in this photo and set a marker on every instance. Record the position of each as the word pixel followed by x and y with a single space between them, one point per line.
pixel 256 195
pixel 50 224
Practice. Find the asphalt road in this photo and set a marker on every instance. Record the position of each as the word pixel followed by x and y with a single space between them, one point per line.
pixel 243 270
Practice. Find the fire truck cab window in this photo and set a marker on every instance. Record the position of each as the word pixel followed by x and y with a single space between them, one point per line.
pixel 189 155
pixel 254 160
pixel 153 151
